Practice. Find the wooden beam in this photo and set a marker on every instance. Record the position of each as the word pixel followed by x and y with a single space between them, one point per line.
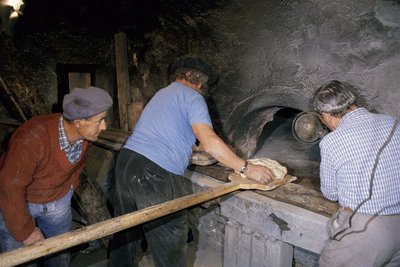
pixel 112 139
pixel 10 123
pixel 123 83
pixel 11 99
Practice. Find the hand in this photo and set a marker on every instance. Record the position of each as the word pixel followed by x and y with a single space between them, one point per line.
pixel 259 173
pixel 36 236
pixel 197 148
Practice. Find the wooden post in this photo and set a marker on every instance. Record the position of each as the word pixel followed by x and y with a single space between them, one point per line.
pixel 123 83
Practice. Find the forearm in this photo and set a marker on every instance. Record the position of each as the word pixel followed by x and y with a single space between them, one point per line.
pixel 223 153
pixel 211 143
pixel 217 148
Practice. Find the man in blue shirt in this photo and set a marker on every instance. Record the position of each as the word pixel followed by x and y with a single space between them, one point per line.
pixel 151 164
pixel 360 168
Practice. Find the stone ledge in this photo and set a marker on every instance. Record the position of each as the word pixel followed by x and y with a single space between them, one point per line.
pixel 278 220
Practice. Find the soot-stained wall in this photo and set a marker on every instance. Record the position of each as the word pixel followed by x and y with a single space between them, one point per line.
pixel 279 52
pixel 266 54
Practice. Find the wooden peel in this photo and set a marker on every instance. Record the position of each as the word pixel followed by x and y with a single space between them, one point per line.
pixel 111 226
pixel 250 184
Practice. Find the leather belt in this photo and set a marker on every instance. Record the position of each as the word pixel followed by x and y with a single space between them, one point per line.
pixel 348 209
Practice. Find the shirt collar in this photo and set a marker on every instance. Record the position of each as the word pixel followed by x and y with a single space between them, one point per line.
pixel 62 136
pixel 350 115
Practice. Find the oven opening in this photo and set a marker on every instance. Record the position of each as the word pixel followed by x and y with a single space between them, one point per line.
pixel 278 141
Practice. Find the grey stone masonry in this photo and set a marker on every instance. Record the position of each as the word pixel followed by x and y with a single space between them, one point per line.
pixel 245 246
pixel 263 232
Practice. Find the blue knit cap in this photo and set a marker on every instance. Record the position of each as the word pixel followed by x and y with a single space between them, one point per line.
pixel 83 103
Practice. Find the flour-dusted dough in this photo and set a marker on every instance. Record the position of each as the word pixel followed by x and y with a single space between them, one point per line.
pixel 277 169
pixel 202 158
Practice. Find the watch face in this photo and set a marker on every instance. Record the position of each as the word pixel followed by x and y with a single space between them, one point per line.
pixel 243 169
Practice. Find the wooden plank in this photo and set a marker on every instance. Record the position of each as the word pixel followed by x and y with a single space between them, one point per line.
pixel 108 227
pixel 216 171
pixel 123 83
pixel 10 122
pixel 303 192
pixel 114 135
pixel 11 99
pixel 112 139
pixel 108 144
pixel 303 196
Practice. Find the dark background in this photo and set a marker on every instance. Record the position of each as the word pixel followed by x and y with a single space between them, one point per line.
pixel 265 54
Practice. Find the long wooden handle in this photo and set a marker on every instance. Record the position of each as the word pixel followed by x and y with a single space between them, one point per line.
pixel 111 226
pixel 108 227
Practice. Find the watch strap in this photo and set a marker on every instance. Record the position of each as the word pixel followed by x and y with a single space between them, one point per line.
pixel 244 168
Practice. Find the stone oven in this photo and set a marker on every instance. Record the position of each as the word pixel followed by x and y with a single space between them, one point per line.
pixel 268 58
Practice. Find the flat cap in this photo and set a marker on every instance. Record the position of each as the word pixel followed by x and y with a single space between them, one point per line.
pixel 83 103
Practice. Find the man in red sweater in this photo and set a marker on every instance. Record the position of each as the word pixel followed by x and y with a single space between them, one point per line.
pixel 41 169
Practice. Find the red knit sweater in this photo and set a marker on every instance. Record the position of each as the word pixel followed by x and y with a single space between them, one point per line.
pixel 34 169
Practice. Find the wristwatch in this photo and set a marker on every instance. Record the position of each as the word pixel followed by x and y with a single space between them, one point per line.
pixel 244 168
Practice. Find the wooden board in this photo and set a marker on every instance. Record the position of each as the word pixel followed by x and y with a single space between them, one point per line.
pixel 235 177
pixel 303 192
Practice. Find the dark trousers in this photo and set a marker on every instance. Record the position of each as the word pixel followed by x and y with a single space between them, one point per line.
pixel 141 183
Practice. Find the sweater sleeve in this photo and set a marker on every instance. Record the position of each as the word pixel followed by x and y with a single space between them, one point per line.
pixel 16 174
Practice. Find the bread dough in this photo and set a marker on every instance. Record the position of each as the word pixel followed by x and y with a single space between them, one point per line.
pixel 202 158
pixel 277 169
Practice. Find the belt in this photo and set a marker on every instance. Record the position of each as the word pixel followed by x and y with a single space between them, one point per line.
pixel 348 209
